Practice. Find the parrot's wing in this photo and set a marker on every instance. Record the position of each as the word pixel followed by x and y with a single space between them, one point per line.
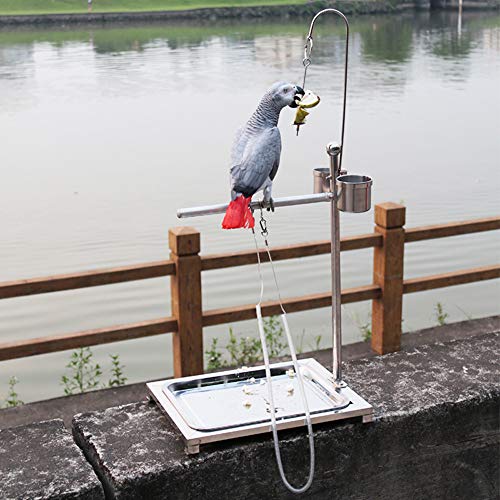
pixel 238 147
pixel 260 162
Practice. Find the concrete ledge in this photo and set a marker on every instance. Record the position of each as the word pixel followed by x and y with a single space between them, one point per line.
pixel 41 461
pixel 436 435
pixel 68 406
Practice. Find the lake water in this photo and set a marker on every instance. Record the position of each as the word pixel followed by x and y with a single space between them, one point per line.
pixel 106 131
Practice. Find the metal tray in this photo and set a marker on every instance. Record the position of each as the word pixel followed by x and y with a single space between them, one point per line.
pixel 224 401
pixel 209 408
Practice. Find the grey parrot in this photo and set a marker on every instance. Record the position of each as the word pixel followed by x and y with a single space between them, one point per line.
pixel 255 155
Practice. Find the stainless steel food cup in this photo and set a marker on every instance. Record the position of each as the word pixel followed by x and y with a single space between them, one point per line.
pixel 321 180
pixel 354 193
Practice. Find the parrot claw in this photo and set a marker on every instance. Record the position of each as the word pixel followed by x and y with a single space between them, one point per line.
pixel 270 205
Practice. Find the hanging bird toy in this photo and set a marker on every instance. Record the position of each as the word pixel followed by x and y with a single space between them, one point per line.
pixel 309 100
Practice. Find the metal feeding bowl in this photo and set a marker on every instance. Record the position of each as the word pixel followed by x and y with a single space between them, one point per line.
pixel 354 191
pixel 321 180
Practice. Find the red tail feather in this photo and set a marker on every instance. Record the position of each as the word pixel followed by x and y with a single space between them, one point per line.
pixel 238 214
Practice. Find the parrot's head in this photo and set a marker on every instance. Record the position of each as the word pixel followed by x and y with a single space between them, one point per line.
pixel 286 94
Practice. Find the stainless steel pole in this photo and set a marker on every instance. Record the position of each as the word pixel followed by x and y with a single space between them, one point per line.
pixel 336 154
pixel 334 151
pixel 288 201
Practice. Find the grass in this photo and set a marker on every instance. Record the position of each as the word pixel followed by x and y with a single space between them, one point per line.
pixel 12 400
pixel 244 351
pixel 440 314
pixel 17 7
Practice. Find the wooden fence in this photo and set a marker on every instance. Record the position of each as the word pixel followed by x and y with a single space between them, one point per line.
pixel 186 265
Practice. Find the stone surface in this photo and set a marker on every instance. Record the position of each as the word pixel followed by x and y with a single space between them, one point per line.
pixel 435 436
pixel 68 406
pixel 424 377
pixel 41 461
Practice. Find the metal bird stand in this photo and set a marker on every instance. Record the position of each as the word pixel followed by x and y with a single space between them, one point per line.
pixel 207 408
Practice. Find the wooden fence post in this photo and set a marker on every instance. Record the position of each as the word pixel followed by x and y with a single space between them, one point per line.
pixel 388 274
pixel 184 243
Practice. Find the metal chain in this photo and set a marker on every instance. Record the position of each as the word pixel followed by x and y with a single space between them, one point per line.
pixel 306 61
pixel 263 226
pixel 265 234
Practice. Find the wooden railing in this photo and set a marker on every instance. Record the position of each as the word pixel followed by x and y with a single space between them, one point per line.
pixel 186 265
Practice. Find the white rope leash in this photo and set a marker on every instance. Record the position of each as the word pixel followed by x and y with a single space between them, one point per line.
pixel 269 382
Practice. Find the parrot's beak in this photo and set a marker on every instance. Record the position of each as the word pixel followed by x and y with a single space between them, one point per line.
pixel 299 94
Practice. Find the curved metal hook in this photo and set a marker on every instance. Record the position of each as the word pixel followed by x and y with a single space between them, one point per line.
pixel 307 53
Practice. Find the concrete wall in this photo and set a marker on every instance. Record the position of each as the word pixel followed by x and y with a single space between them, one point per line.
pixel 211 14
pixel 466 4
pixel 349 7
pixel 435 436
pixel 41 461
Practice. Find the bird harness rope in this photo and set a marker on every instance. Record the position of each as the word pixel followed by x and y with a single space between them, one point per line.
pixel 299 374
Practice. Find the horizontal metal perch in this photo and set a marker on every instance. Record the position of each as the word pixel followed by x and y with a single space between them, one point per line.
pixel 288 201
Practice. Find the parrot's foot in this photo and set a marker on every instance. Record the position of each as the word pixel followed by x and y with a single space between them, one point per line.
pixel 267 204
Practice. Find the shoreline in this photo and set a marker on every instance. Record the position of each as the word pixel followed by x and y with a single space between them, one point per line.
pixel 249 12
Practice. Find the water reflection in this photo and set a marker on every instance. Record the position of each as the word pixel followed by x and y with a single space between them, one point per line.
pixel 388 42
pixel 15 60
pixel 451 44
pixel 388 39
pixel 108 131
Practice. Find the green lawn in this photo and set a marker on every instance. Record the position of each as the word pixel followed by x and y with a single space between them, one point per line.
pixel 13 7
